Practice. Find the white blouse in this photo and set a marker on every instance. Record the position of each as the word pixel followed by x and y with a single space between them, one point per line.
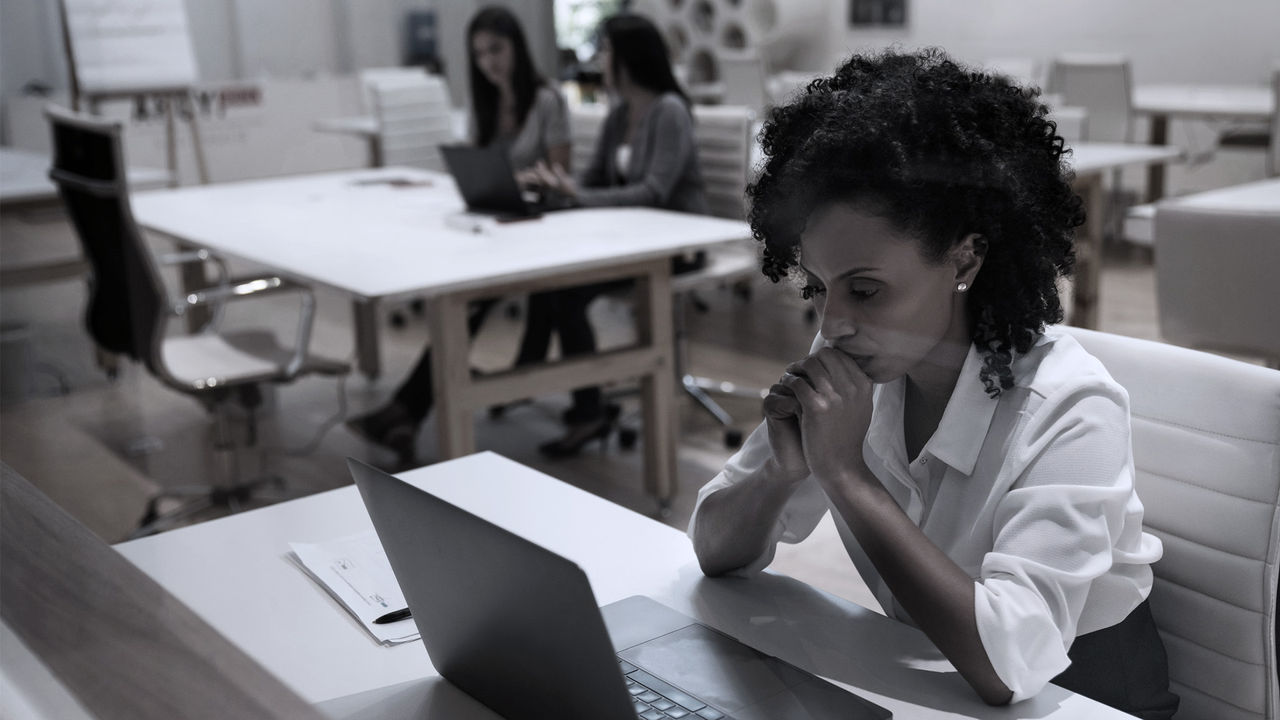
pixel 1030 493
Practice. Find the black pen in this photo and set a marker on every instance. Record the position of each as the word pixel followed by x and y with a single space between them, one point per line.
pixel 393 616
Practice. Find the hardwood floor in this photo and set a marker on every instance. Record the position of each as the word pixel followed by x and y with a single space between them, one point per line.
pixel 102 447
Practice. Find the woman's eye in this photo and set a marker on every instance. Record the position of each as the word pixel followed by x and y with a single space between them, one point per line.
pixel 864 293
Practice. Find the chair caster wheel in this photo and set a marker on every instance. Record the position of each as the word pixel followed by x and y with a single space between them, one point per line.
pixel 627 438
pixel 398 320
pixel 732 438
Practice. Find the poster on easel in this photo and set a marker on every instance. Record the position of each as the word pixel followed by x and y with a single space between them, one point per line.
pixel 129 46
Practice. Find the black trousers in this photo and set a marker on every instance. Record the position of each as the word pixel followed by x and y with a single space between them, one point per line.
pixel 1123 666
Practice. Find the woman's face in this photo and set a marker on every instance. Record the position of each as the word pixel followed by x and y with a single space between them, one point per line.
pixel 879 300
pixel 494 55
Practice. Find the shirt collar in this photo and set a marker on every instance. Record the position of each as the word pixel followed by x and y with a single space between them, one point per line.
pixel 960 434
pixel 965 422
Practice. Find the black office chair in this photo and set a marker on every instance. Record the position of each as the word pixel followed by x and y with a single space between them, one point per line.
pixel 129 307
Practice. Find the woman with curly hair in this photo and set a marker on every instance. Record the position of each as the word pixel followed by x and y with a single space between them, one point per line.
pixel 977 463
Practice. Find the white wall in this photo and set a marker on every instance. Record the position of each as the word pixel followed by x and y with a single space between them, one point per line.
pixel 1166 40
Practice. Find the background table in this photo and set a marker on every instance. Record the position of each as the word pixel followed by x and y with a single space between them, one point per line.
pixel 1091 161
pixel 1245 103
pixel 377 234
pixel 234 574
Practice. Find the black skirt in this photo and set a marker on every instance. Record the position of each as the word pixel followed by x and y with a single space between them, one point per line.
pixel 1123 666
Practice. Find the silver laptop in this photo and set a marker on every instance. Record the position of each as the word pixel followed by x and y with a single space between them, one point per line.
pixel 516 627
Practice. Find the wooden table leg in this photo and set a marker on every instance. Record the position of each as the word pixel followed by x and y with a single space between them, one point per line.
pixel 657 389
pixel 1084 311
pixel 365 316
pixel 1155 171
pixel 451 375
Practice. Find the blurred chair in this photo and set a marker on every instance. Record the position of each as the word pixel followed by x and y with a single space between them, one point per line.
pixel 371 77
pixel 1206 450
pixel 585 123
pixel 724 142
pixel 414 119
pixel 1215 278
pixel 1101 85
pixel 743 78
pixel 786 84
pixel 130 307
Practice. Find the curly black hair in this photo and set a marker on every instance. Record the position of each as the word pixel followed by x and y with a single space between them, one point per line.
pixel 941 151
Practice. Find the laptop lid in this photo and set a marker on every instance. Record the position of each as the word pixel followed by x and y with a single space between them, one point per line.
pixel 510 623
pixel 485 179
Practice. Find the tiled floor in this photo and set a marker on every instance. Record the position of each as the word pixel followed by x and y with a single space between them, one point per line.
pixel 101 446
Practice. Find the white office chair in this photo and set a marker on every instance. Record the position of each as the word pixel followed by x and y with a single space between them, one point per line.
pixel 1215 279
pixel 1206 448
pixel 371 77
pixel 724 142
pixel 743 79
pixel 414 118
pixel 585 123
pixel 1100 84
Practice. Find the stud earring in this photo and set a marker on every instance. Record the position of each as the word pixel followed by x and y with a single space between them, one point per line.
pixel 961 287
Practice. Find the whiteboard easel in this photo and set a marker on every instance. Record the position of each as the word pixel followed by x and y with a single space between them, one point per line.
pixel 124 48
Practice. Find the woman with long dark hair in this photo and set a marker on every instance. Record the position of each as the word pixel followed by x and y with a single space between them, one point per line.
pixel 645 156
pixel 514 107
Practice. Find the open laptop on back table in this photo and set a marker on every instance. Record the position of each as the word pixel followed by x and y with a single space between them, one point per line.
pixel 517 627
pixel 487 182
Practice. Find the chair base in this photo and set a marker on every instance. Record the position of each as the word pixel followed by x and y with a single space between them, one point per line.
pixel 201 498
pixel 700 389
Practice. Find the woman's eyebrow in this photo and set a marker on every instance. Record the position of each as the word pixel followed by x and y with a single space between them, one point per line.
pixel 846 274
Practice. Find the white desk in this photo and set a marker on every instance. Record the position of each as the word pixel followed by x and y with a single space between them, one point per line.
pixel 1091 162
pixel 233 573
pixel 376 241
pixel 1247 103
pixel 1260 196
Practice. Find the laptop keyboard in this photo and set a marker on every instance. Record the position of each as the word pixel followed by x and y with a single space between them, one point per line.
pixel 654 699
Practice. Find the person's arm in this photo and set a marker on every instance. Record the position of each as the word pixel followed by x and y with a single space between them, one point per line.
pixel 738 517
pixel 1007 631
pixel 556 137
pixel 671 145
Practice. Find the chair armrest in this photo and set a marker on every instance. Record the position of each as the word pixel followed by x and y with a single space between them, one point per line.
pixel 239 288
pixel 201 255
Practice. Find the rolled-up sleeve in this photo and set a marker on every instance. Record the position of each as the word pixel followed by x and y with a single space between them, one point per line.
pixel 1061 526
pixel 799 517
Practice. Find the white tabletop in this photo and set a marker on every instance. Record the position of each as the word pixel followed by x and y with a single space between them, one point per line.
pixel 233 572
pixel 1263 195
pixel 374 239
pixel 1095 157
pixel 1246 102
pixel 24 177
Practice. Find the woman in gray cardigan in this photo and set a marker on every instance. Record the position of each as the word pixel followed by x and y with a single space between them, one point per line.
pixel 645 156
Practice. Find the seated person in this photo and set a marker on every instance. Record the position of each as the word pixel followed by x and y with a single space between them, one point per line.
pixel 645 156
pixel 514 107
pixel 978 465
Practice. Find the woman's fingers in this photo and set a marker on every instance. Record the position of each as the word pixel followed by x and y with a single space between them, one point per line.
pixel 781 403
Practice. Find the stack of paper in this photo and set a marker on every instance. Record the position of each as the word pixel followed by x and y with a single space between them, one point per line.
pixel 355 571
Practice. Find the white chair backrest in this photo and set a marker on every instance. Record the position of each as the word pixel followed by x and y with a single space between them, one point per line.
pixel 1215 278
pixel 1101 85
pixel 1206 447
pixel 369 77
pixel 585 123
pixel 723 137
pixel 414 119
pixel 743 77
pixel 785 85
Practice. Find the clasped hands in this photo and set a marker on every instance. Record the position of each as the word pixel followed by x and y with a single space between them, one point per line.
pixel 549 179
pixel 817 416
